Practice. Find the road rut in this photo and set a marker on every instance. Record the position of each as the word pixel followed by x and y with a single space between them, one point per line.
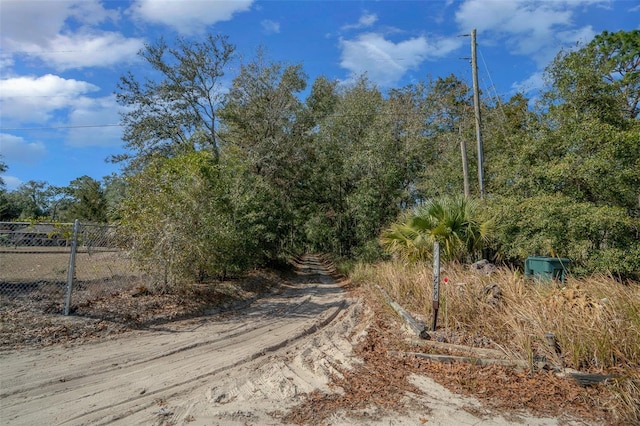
pixel 131 379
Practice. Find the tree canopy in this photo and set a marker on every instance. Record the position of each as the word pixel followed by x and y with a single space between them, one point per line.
pixel 261 164
pixel 177 111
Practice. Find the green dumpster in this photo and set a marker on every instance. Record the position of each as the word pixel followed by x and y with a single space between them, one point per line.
pixel 546 268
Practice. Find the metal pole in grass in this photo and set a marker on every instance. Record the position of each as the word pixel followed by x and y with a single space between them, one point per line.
pixel 72 267
pixel 436 283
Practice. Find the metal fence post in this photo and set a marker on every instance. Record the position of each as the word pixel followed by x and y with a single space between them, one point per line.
pixel 72 267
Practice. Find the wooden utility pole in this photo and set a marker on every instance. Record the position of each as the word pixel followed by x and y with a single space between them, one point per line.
pixel 476 105
pixel 465 167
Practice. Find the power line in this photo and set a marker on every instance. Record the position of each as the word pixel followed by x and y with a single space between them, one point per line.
pixel 39 52
pixel 70 95
pixel 61 127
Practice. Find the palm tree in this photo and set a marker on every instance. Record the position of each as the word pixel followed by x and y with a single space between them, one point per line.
pixel 452 221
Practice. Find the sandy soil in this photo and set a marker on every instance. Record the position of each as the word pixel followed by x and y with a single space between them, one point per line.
pixel 248 367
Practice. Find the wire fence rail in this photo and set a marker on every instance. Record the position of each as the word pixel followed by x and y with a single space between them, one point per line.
pixel 49 267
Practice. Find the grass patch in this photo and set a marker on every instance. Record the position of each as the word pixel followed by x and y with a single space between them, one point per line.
pixel 596 320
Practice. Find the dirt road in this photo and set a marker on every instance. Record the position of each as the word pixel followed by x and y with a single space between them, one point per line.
pixel 246 367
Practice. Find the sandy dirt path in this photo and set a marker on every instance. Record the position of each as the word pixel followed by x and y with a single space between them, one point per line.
pixel 242 368
pixel 113 380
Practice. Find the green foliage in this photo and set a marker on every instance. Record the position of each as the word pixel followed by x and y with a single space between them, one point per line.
pixel 83 199
pixel 447 104
pixel 596 238
pixel 114 193
pixel 3 168
pixel 602 79
pixel 260 122
pixel 259 118
pixel 87 200
pixel 178 112
pixel 565 180
pixel 29 200
pixel 188 218
pixel 455 223
pixel 8 209
pixel 364 158
pixel 331 172
pixel 589 161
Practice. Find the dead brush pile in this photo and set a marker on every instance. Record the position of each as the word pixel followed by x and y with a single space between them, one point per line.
pixel 595 321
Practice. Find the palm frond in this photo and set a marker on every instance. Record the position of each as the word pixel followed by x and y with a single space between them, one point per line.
pixel 451 221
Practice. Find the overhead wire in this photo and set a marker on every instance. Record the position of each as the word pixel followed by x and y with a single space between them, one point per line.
pixel 497 100
pixel 60 127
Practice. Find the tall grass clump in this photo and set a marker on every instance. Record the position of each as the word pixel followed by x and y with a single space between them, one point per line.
pixel 595 320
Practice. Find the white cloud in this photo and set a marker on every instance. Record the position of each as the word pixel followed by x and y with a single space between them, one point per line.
pixel 17 149
pixel 92 12
pixel 35 22
pixel 90 112
pixel 32 99
pixel 580 35
pixel 365 21
pixel 534 83
pixel 384 61
pixel 11 182
pixel 188 16
pixel 528 27
pixel 43 30
pixel 6 63
pixel 88 50
pixel 32 22
pixel 270 27
pixel 40 99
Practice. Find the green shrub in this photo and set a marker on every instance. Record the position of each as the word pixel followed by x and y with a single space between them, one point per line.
pixel 454 222
pixel 596 238
pixel 188 219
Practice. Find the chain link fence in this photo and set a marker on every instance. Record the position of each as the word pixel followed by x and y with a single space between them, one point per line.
pixel 49 267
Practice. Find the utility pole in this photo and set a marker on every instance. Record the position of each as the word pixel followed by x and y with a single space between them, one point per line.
pixel 476 105
pixel 465 167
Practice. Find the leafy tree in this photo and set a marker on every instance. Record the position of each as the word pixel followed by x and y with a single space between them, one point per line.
pixel 344 159
pixel 260 121
pixel 178 112
pixel 391 157
pixel 449 112
pixel 192 218
pixel 6 212
pixel 366 154
pixel 88 201
pixel 596 238
pixel 565 177
pixel 601 79
pixel 59 203
pixel 3 168
pixel 331 172
pixel 313 214
pixel 260 114
pixel 320 103
pixel 30 200
pixel 582 144
pixel 509 128
pixel 114 193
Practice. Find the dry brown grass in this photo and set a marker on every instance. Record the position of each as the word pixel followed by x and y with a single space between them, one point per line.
pixel 596 321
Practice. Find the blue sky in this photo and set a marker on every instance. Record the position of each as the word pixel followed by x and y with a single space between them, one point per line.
pixel 60 60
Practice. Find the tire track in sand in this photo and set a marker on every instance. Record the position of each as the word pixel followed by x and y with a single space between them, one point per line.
pixel 113 380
